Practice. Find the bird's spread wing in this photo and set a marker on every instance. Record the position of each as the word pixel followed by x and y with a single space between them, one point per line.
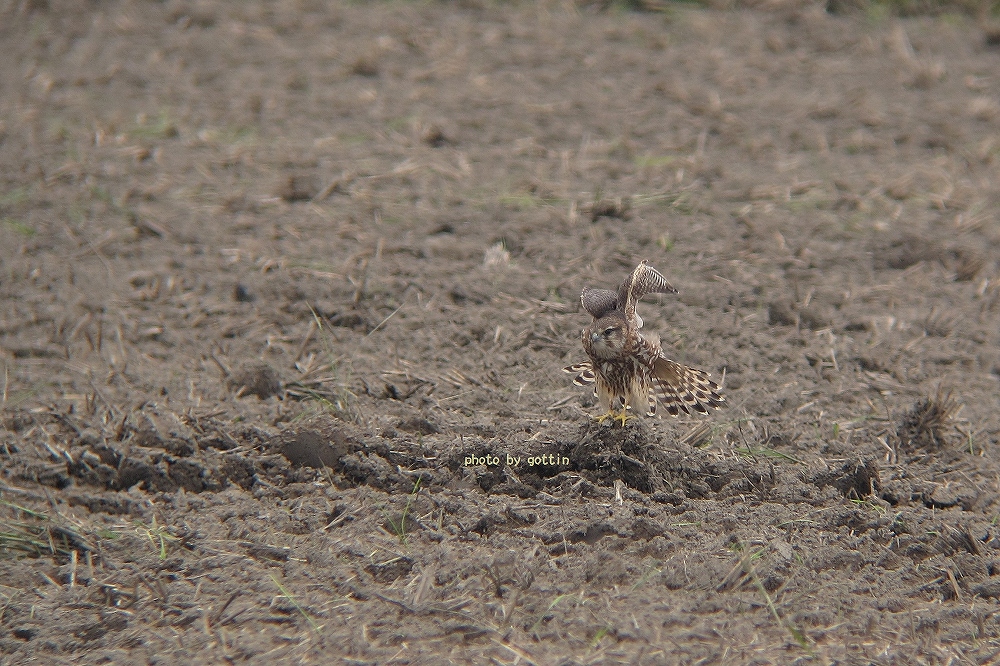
pixel 644 280
pixel 599 302
pixel 684 389
pixel 584 373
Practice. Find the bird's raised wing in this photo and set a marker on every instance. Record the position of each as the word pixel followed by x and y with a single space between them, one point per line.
pixel 644 280
pixel 599 302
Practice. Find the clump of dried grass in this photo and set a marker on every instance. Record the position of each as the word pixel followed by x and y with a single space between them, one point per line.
pixel 925 425
pixel 969 264
pixel 618 208
pixel 28 533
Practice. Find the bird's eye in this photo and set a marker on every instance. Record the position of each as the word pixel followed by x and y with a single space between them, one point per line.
pixel 608 331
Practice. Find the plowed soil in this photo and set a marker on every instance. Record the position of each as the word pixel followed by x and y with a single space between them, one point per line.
pixel 287 287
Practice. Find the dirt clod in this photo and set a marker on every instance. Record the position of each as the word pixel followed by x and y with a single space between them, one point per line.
pixel 255 378
pixel 855 479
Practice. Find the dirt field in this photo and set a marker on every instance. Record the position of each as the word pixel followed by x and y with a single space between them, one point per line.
pixel 287 286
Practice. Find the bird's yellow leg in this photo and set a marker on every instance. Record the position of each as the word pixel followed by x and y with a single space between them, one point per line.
pixel 604 417
pixel 622 416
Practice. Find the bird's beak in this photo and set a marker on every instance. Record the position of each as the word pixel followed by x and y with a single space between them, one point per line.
pixel 594 337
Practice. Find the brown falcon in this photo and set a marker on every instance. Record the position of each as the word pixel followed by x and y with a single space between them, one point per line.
pixel 629 368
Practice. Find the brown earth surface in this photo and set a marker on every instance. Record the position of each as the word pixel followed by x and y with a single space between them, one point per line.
pixel 287 287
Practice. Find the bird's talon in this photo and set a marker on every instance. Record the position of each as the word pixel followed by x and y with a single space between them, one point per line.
pixel 622 416
pixel 603 417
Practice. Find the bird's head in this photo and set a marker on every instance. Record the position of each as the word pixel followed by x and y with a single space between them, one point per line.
pixel 605 338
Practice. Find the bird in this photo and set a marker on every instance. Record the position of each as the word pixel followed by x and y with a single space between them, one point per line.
pixel 629 369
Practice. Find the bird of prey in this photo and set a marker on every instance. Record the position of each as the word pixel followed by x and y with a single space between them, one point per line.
pixel 629 369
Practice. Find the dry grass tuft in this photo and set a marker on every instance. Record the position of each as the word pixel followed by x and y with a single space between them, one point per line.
pixel 619 208
pixel 366 65
pixel 925 425
pixel 969 265
pixel 28 533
